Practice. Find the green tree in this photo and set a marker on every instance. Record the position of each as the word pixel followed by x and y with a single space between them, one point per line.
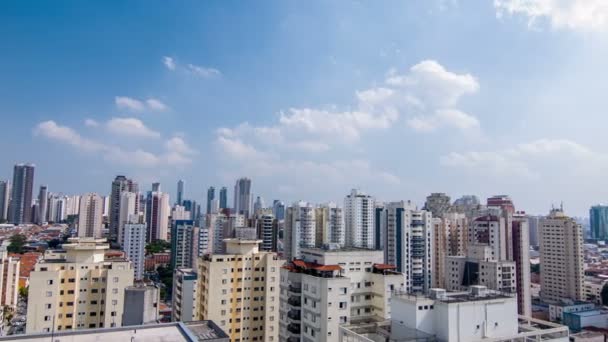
pixel 157 246
pixel 24 292
pixel 604 294
pixel 17 243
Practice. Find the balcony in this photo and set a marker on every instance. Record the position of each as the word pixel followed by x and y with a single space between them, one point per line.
pixel 294 315
pixel 295 289
pixel 294 328
pixel 294 301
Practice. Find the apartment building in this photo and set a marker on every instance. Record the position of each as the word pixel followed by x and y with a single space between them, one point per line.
pixel 239 290
pixel 77 288
pixel 327 288
pixel 184 298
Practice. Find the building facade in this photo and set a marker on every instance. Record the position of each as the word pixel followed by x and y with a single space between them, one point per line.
pixel 243 200
pixel 141 304
pixel 157 215
pixel 90 216
pixel 134 245
pixel 77 289
pixel 561 257
pixel 184 295
pixel 300 229
pixel 598 222
pixel 239 290
pixel 359 220
pixel 20 210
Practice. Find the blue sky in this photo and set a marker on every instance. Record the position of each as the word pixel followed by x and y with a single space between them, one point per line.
pixel 310 99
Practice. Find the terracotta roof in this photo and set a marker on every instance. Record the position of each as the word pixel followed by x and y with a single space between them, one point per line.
pixel 328 268
pixel 385 266
pixel 314 266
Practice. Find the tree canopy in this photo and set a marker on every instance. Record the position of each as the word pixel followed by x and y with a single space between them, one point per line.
pixel 17 243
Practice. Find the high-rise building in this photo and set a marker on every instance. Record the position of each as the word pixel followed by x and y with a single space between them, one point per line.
pixel 278 209
pixel 180 192
pixel 183 248
pixel 42 205
pixel 300 229
pixel 223 198
pixel 359 220
pixel 330 225
pixel 179 212
pixel 561 257
pixel 77 289
pixel 184 298
pixel 258 205
pixel 210 198
pixel 503 202
pixel 534 224
pixel 21 200
pixel 9 279
pixel 128 209
pixel 268 231
pixel 134 245
pixel 222 226
pixel 467 204
pixel 328 288
pixel 142 302
pixel 598 221
pixel 242 197
pixel 479 267
pixel 157 215
pixel 438 204
pixel 90 218
pixel 5 195
pixel 408 244
pixel 119 185
pixel 239 291
pixel 450 239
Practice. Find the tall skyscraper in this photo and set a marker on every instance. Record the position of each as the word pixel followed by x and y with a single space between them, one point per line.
pixel 223 198
pixel 438 204
pixel 5 195
pixel 183 248
pixel 330 225
pixel 120 184
pixel 408 243
pixel 278 209
pixel 157 215
pixel 451 236
pixel 128 212
pixel 267 231
pixel 90 217
pixel 300 229
pixel 258 205
pixel 60 283
pixel 598 221
pixel 21 199
pixel 242 197
pixel 561 257
pixel 231 291
pixel 134 244
pixel 210 198
pixel 42 205
pixel 359 220
pixel 180 191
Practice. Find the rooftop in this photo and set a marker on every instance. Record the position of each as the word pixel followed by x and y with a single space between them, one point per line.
pixel 187 332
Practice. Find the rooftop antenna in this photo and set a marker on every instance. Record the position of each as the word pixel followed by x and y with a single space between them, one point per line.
pixel 561 206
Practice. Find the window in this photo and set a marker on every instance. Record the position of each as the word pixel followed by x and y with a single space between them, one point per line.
pixel 49 293
pixel 49 282
pixel 116 279
pixel 47 306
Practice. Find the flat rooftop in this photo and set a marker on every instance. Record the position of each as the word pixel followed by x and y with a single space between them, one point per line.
pixel 175 332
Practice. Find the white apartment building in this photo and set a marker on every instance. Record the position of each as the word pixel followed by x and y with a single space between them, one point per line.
pixel 300 229
pixel 90 216
pixel 221 227
pixel 157 215
pixel 127 209
pixel 9 279
pixel 330 225
pixel 477 316
pixel 561 257
pixel 408 243
pixel 77 289
pixel 239 290
pixel 327 288
pixel 268 231
pixel 183 244
pixel 359 220
pixel 184 296
pixel 490 230
pixel 134 245
pixel 479 267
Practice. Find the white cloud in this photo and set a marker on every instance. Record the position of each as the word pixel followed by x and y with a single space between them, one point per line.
pixel 204 72
pixel 175 151
pixel 444 117
pixel 533 160
pixel 130 127
pixel 156 105
pixel 138 106
pixel 582 15
pixel 169 63
pixel 124 102
pixel 91 123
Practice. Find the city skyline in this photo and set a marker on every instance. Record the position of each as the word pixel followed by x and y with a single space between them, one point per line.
pixel 478 111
